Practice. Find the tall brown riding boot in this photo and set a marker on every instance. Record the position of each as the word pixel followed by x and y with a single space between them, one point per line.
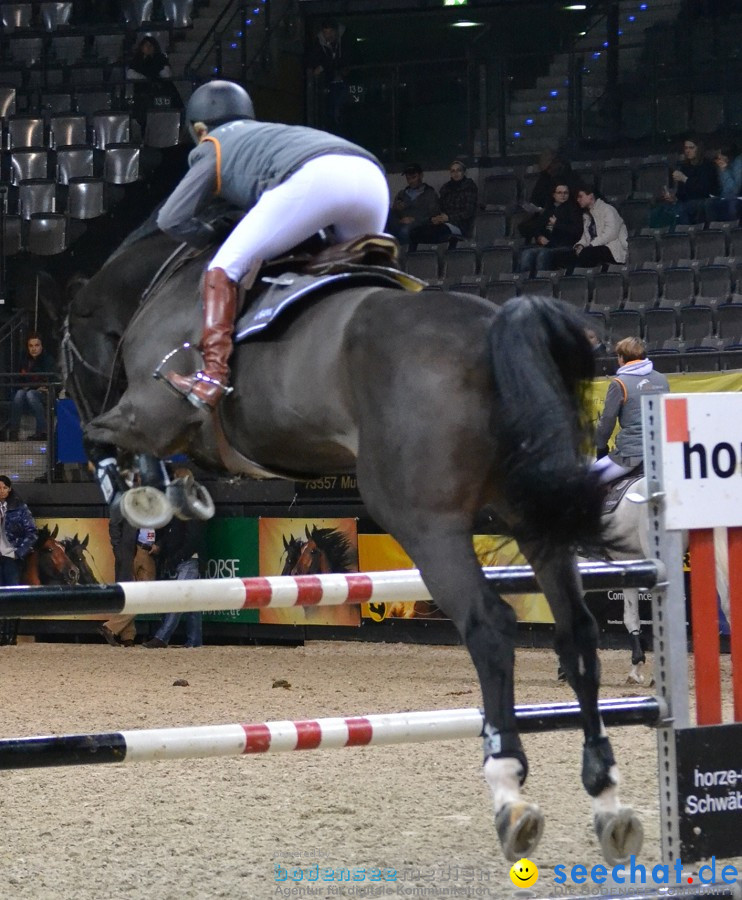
pixel 205 388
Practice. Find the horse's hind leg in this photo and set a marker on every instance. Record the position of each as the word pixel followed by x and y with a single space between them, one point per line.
pixel 632 621
pixel 487 625
pixel 576 640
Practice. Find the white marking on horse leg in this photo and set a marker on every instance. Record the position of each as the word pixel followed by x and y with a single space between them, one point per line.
pixel 503 776
pixel 607 800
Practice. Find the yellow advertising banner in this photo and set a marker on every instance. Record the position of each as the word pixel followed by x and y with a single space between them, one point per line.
pixel 308 547
pixel 381 553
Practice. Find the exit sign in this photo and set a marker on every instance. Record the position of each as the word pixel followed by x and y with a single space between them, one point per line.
pixel 455 2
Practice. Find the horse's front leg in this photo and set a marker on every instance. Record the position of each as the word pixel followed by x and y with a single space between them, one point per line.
pixel 104 460
pixel 576 640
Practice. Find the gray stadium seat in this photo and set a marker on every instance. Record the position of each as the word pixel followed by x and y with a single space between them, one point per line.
pixel 85 198
pixel 12 235
pixel 90 102
pixel 74 161
pixel 503 288
pixel 696 323
pixel 162 128
pixel 423 264
pixel 8 100
pixel 37 196
pixel 458 264
pixel 710 243
pixel 121 163
pixel 26 131
pixel 136 12
pixel 56 15
pixel 47 234
pixel 28 163
pixel 65 130
pixel 489 228
pixel 178 12
pixel 729 323
pixel 111 128
pixel 496 260
pixel 573 289
pixel 15 15
pixel 500 189
pixel 68 48
pixel 660 326
pixel 616 179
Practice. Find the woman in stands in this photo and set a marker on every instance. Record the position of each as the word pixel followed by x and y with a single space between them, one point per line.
pixel 35 370
pixel 694 180
pixel 149 68
pixel 725 207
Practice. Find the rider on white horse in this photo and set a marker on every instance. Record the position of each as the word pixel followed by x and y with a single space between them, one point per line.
pixel 635 377
pixel 294 181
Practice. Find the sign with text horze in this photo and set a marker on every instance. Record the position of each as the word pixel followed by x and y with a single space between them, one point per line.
pixel 702 460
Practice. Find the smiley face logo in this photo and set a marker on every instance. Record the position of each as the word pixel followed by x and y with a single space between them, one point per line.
pixel 524 873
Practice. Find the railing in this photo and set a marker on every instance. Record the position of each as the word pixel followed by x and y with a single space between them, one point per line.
pixel 232 31
pixel 465 106
pixel 12 335
pixel 27 454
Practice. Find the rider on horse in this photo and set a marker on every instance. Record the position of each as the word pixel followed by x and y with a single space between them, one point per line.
pixel 293 182
pixel 634 378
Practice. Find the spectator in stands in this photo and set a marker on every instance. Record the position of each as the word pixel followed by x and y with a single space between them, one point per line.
pixel 18 533
pixel 558 227
pixel 635 378
pixel 604 241
pixel 554 167
pixel 695 179
pixel 413 208
pixel 120 630
pixel 35 369
pixel 329 62
pixel 458 209
pixel 149 68
pixel 725 207
pixel 179 545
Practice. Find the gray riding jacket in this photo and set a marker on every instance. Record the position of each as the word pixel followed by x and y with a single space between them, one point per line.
pixel 623 404
pixel 238 162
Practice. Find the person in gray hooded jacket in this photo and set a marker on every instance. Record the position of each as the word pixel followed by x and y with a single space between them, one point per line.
pixel 292 181
pixel 634 378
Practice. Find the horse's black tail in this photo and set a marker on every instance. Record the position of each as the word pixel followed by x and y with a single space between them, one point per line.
pixel 542 365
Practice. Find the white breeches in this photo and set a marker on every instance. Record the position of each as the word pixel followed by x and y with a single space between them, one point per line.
pixel 609 470
pixel 348 192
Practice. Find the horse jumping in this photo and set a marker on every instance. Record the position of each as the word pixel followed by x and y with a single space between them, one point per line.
pixel 441 403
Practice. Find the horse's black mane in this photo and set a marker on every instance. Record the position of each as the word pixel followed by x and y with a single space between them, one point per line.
pixel 336 546
pixel 215 210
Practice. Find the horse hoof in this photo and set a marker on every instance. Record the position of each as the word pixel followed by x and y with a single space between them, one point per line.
pixel 190 500
pixel 519 827
pixel 635 676
pixel 146 507
pixel 620 834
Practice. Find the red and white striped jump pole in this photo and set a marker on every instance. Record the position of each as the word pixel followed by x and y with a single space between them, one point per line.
pixel 152 744
pixel 204 595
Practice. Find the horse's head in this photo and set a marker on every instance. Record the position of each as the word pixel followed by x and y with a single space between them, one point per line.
pixel 76 550
pixel 52 562
pixel 292 551
pixel 313 559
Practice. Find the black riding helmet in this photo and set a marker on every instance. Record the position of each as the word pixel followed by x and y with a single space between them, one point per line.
pixel 217 102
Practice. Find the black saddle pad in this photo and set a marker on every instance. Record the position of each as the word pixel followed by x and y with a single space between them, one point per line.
pixel 289 288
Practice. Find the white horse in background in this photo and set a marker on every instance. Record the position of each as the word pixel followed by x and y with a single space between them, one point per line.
pixel 627 527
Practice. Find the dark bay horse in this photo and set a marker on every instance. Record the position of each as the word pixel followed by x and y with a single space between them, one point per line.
pixel 442 404
pixel 76 550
